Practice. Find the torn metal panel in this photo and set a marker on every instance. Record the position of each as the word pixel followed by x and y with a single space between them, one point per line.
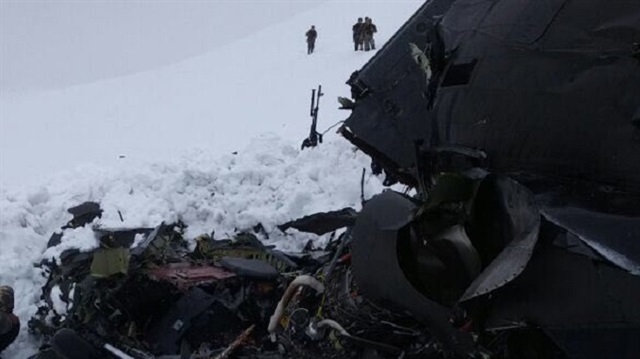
pixel 458 245
pixel 142 246
pixel 177 321
pixel 572 298
pixel 252 268
pixel 391 91
pixel 243 245
pixel 86 208
pixel 83 213
pixel 73 261
pixel 110 261
pixel 505 232
pixel 119 237
pixel 186 275
pixel 55 239
pixel 615 237
pixel 163 243
pixel 379 274
pixel 523 82
pixel 574 244
pixel 321 223
pixel 533 20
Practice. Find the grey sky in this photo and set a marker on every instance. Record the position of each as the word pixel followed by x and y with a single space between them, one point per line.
pixel 52 44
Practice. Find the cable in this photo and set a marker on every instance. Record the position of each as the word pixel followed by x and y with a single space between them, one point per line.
pixel 334 125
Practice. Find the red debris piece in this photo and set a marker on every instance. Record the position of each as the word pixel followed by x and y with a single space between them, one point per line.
pixel 187 275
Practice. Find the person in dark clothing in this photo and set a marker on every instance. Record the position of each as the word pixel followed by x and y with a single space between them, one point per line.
pixel 373 28
pixel 9 323
pixel 357 35
pixel 312 34
pixel 368 29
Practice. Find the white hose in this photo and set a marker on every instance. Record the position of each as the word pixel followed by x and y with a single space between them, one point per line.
pixel 302 280
pixel 333 324
pixel 117 352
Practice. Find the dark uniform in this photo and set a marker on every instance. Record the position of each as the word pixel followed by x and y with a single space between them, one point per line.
pixel 368 29
pixel 357 35
pixel 311 39
pixel 9 323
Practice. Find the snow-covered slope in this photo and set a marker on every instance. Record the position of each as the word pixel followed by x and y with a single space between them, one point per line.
pixel 270 182
pixel 86 40
pixel 217 101
pixel 176 128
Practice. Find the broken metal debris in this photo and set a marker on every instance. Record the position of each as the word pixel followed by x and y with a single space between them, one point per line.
pixel 159 298
pixel 186 275
pixel 315 137
pixel 236 343
pixel 83 214
pixel 506 177
pixel 321 223
pixel 497 91
pixel 521 239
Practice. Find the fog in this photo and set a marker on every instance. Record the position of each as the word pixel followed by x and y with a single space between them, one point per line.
pixel 51 44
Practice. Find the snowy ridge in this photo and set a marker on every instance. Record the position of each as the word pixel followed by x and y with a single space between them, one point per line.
pixel 270 182
pixel 218 101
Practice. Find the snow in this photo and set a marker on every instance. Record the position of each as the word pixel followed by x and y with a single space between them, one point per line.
pixel 217 101
pixel 158 145
pixel 114 40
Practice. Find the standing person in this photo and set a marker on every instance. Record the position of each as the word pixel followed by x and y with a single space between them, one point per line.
pixel 9 323
pixel 311 34
pixel 366 34
pixel 373 29
pixel 368 29
pixel 357 34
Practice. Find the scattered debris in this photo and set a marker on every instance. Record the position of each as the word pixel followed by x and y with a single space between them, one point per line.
pixel 236 343
pixel 152 297
pixel 522 239
pixel 321 223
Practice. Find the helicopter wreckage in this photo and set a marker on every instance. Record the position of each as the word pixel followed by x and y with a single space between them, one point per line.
pixel 518 125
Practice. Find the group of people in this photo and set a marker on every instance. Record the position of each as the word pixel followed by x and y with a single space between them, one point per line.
pixel 362 36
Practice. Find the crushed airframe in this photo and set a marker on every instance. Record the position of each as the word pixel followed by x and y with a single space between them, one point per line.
pixel 151 297
pixel 518 125
pixel 518 122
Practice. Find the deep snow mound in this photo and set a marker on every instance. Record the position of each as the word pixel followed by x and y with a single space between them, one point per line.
pixel 270 182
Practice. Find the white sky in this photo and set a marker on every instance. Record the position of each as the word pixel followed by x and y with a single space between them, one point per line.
pixel 47 44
